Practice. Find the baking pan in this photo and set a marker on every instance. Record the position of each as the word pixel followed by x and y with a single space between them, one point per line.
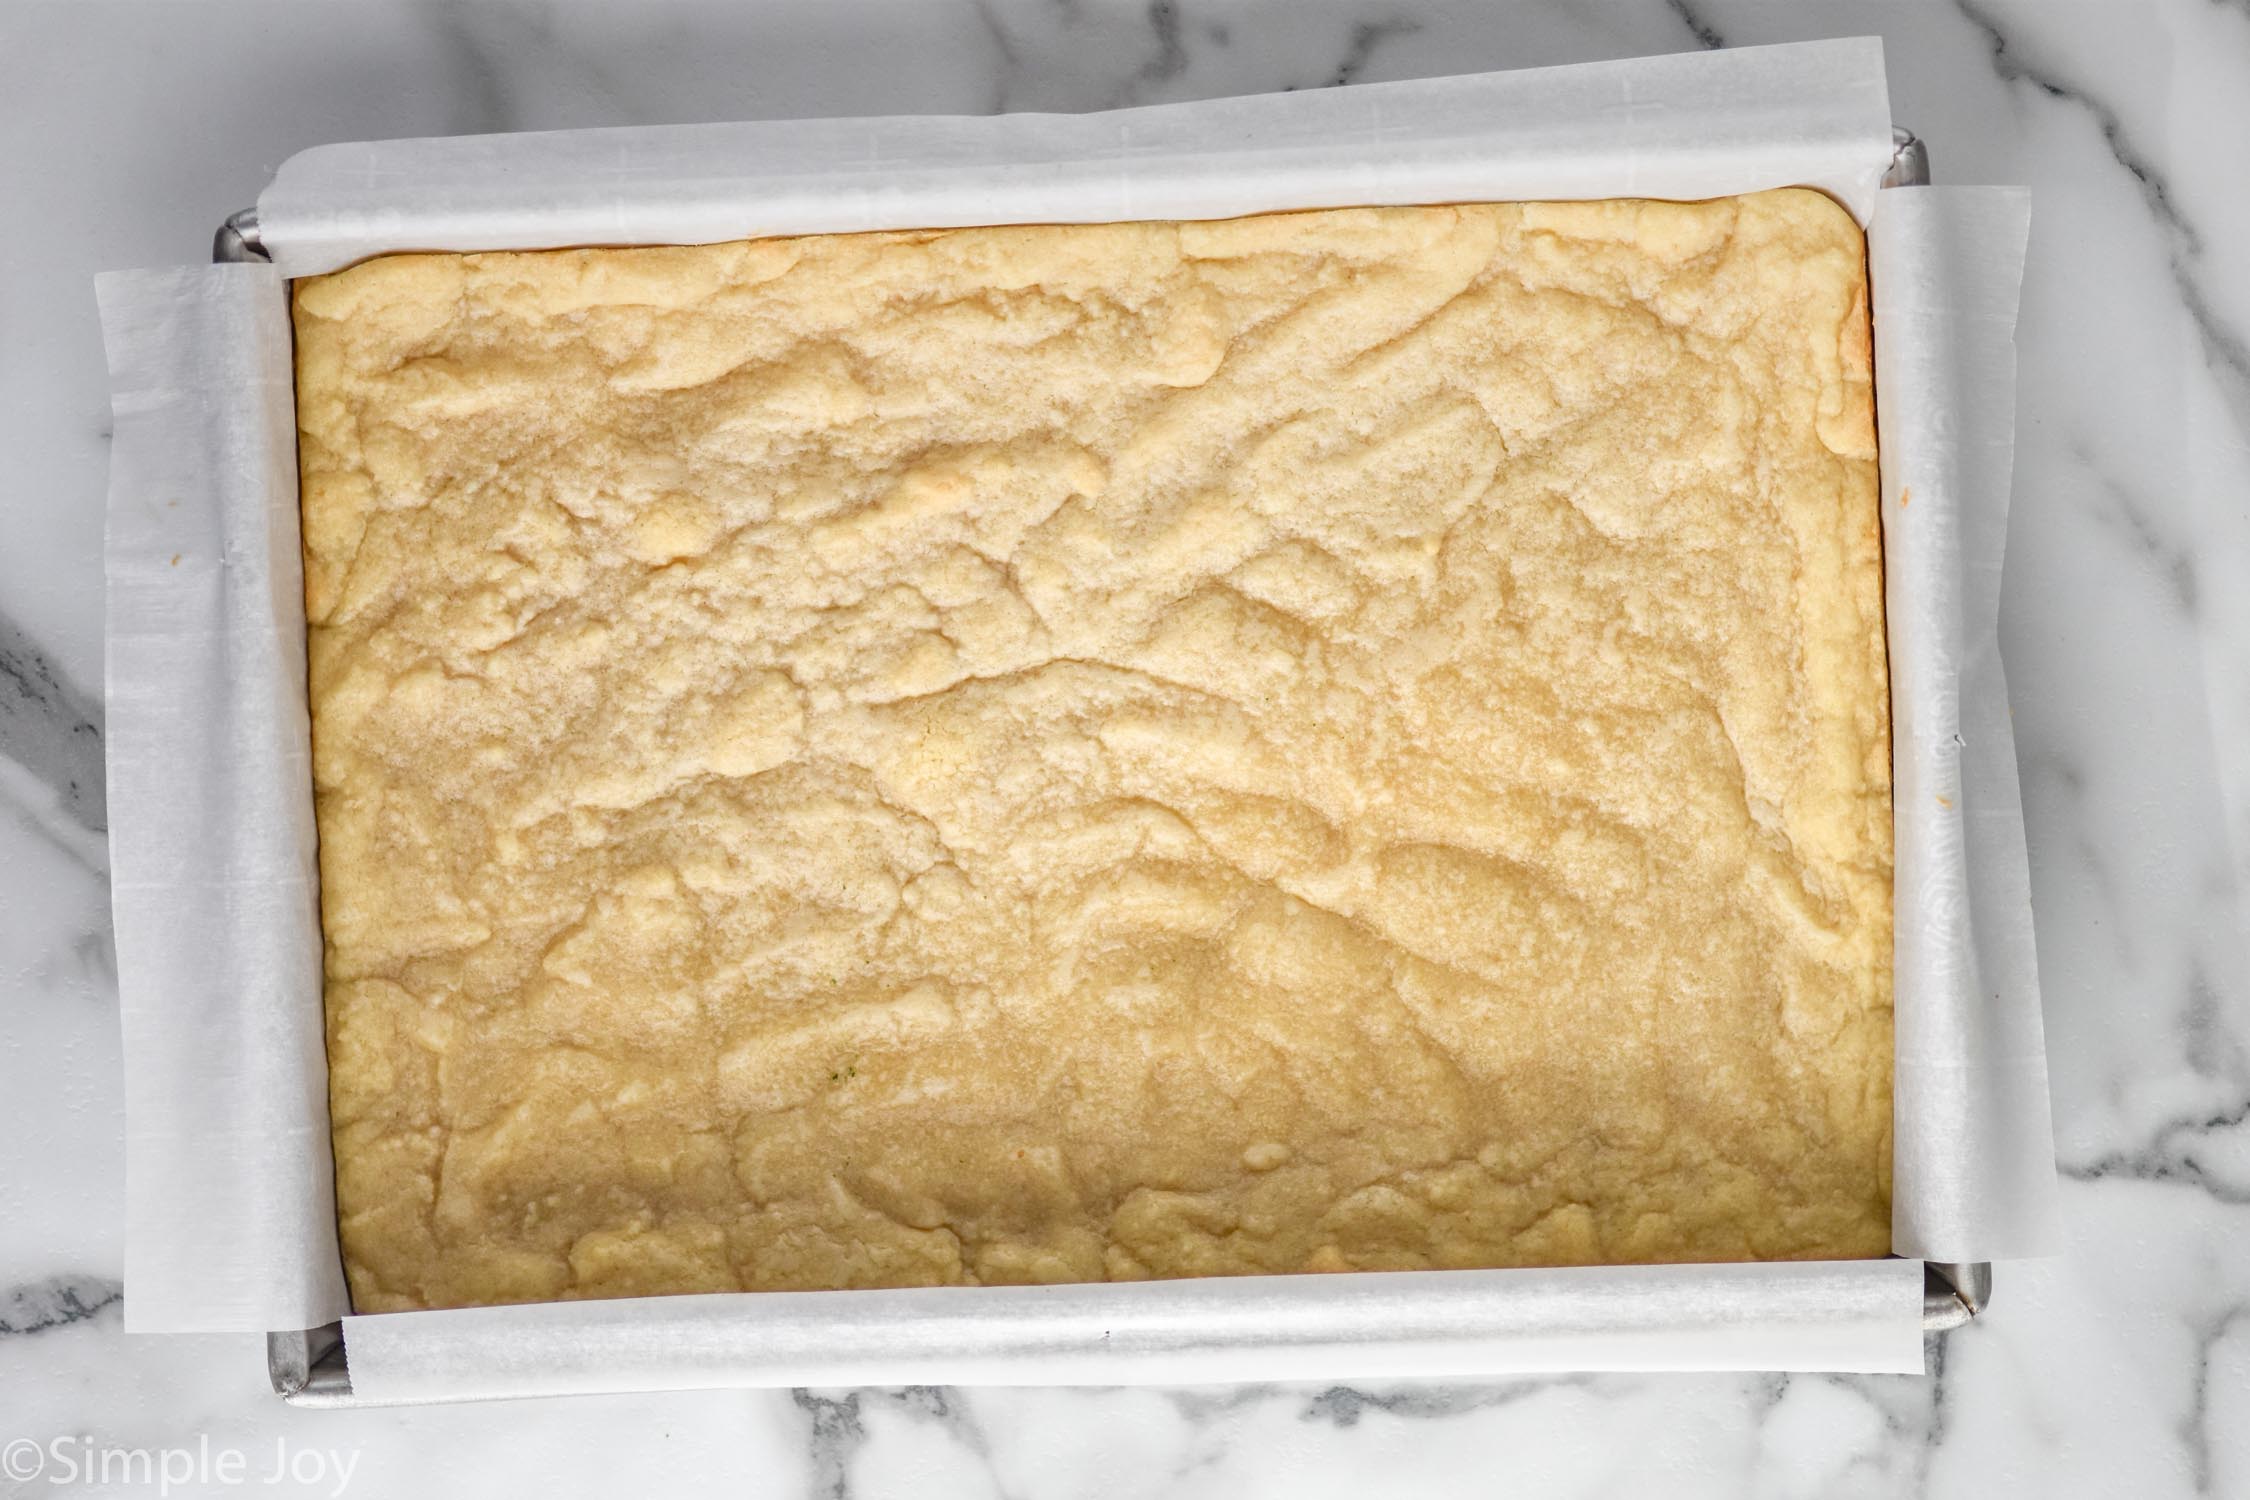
pixel 309 1367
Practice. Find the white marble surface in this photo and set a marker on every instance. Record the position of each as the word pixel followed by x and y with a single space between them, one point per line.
pixel 2121 1367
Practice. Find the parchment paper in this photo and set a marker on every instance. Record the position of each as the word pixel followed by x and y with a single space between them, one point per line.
pixel 1699 125
pixel 1691 126
pixel 1838 1315
pixel 1973 1152
pixel 229 1201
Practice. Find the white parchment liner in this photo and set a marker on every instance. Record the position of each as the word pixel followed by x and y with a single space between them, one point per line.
pixel 229 1193
pixel 1973 1151
pixel 230 1214
pixel 1698 125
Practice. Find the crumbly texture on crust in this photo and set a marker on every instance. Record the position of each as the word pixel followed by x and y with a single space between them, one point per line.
pixel 1338 740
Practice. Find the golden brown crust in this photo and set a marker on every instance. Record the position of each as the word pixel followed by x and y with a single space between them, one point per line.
pixel 1332 740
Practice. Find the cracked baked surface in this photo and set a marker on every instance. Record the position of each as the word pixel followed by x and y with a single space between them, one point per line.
pixel 1336 740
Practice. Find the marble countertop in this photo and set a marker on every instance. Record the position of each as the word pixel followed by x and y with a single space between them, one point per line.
pixel 2122 1366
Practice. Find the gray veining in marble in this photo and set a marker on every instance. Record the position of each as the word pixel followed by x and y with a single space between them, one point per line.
pixel 2228 351
pixel 57 1302
pixel 50 727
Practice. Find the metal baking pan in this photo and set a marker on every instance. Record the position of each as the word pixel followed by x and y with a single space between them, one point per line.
pixel 309 1367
